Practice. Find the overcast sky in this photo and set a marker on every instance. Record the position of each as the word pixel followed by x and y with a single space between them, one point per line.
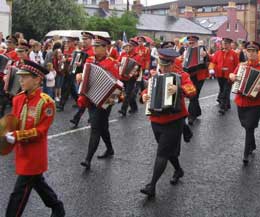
pixel 152 2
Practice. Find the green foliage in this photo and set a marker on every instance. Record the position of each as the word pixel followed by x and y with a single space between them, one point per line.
pixel 37 17
pixel 114 24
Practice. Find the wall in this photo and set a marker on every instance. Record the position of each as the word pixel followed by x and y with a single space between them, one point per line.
pixel 5 18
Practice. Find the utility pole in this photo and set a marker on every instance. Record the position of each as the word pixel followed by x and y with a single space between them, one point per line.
pixel 127 5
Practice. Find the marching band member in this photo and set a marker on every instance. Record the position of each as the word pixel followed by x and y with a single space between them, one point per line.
pixel 99 116
pixel 249 108
pixel 129 84
pixel 87 39
pixel 36 111
pixel 222 64
pixel 11 42
pixel 198 77
pixel 167 128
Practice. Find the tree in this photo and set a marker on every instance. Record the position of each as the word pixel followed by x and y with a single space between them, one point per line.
pixel 114 24
pixel 37 17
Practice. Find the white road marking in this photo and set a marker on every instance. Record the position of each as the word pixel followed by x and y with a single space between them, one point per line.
pixel 74 131
pixel 111 121
pixel 206 97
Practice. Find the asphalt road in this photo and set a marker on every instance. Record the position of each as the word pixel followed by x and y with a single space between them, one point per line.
pixel 215 184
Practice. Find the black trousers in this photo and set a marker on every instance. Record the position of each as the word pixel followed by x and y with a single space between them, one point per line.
pixel 224 93
pixel 99 129
pixel 68 87
pixel 79 114
pixel 168 137
pixel 22 190
pixel 249 118
pixel 194 106
pixel 130 96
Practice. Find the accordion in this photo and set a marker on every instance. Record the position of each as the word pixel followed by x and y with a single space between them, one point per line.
pixel 78 57
pixel 128 67
pixel 12 85
pixel 193 60
pixel 160 101
pixel 247 81
pixel 99 85
pixel 4 62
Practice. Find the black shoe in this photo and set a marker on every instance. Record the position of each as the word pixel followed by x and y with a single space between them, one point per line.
pixel 149 190
pixel 76 123
pixel 221 111
pixel 123 113
pixel 85 164
pixel 176 176
pixel 58 210
pixel 106 154
pixel 131 111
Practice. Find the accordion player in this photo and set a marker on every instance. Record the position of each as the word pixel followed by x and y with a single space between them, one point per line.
pixel 247 81
pixel 12 85
pixel 98 85
pixel 161 102
pixel 194 60
pixel 77 63
pixel 128 68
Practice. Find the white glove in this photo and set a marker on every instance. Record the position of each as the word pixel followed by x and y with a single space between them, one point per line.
pixel 10 137
pixel 212 71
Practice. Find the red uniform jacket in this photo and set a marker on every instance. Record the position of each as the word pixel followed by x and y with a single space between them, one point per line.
pixel 224 63
pixel 113 53
pixel 107 63
pixel 188 89
pixel 144 56
pixel 89 51
pixel 12 55
pixel 36 113
pixel 244 101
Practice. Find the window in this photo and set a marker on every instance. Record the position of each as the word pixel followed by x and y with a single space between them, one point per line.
pixel 85 2
pixel 236 27
pixel 182 10
pixel 94 2
pixel 112 2
pixel 228 26
pixel 162 37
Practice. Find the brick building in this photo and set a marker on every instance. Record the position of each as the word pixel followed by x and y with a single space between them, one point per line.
pixel 247 11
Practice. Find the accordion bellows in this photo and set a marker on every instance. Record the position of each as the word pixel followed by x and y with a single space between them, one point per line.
pixel 248 80
pixel 98 84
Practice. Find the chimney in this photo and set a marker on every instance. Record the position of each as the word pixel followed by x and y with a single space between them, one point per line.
pixel 232 10
pixel 137 7
pixel 174 9
pixel 104 4
pixel 188 12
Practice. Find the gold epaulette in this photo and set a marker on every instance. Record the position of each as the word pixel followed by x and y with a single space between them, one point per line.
pixel 46 97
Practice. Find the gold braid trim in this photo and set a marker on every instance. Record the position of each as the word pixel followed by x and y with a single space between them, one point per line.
pixel 23 116
pixel 26 134
pixel 38 112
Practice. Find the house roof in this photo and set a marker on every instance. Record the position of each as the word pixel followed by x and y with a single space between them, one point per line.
pixel 197 3
pixel 211 23
pixel 170 24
